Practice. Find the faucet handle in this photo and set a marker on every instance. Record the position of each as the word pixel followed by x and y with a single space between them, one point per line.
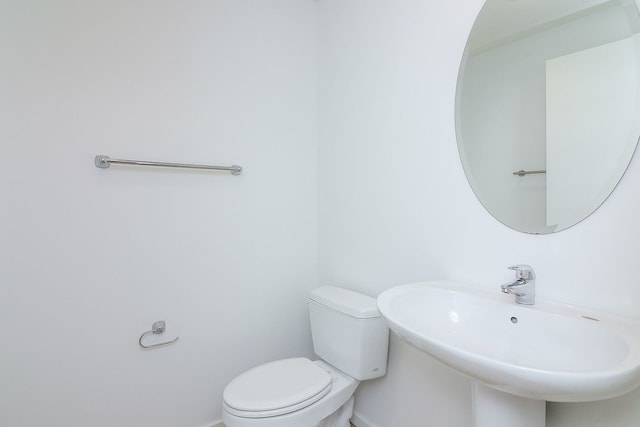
pixel 523 271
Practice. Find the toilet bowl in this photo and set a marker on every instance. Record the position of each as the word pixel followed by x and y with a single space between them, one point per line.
pixel 289 405
pixel 352 340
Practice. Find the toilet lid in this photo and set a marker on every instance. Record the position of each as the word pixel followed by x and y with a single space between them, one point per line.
pixel 276 388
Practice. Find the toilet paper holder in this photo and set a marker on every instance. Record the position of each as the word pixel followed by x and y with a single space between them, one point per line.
pixel 156 329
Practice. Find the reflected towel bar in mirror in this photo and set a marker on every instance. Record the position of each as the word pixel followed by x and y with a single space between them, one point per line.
pixel 104 162
pixel 523 172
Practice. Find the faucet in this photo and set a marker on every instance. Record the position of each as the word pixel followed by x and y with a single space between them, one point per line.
pixel 524 287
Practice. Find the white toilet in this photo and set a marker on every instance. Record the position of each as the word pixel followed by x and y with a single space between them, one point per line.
pixel 351 338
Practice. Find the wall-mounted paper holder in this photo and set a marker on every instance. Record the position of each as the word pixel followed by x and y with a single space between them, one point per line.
pixel 157 328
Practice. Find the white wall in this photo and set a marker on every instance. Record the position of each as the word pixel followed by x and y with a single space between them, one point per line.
pixel 395 207
pixel 89 258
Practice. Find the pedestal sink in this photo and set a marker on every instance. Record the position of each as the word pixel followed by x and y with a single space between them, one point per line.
pixel 518 356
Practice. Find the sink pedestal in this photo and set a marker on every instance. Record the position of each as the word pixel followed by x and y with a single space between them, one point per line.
pixel 494 408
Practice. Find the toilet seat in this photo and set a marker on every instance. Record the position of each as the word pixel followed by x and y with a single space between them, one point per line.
pixel 276 388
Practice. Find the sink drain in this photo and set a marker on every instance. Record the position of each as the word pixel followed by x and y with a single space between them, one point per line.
pixel 514 319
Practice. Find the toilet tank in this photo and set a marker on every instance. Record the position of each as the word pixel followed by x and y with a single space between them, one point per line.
pixel 349 332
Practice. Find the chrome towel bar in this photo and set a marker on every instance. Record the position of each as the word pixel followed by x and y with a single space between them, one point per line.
pixel 157 328
pixel 523 172
pixel 104 162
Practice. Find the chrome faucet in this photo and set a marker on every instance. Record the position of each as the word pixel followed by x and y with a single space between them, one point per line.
pixel 524 287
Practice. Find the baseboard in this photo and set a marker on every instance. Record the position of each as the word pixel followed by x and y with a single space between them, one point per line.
pixel 357 421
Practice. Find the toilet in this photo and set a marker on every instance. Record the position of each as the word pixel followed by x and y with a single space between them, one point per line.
pixel 351 339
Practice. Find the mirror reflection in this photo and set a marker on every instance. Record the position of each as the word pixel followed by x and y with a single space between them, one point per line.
pixel 547 107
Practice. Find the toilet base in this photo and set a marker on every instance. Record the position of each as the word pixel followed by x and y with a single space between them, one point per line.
pixel 341 417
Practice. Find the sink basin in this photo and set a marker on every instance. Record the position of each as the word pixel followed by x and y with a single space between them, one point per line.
pixel 546 351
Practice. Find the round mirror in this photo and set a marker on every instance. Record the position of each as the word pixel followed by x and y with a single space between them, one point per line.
pixel 547 107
